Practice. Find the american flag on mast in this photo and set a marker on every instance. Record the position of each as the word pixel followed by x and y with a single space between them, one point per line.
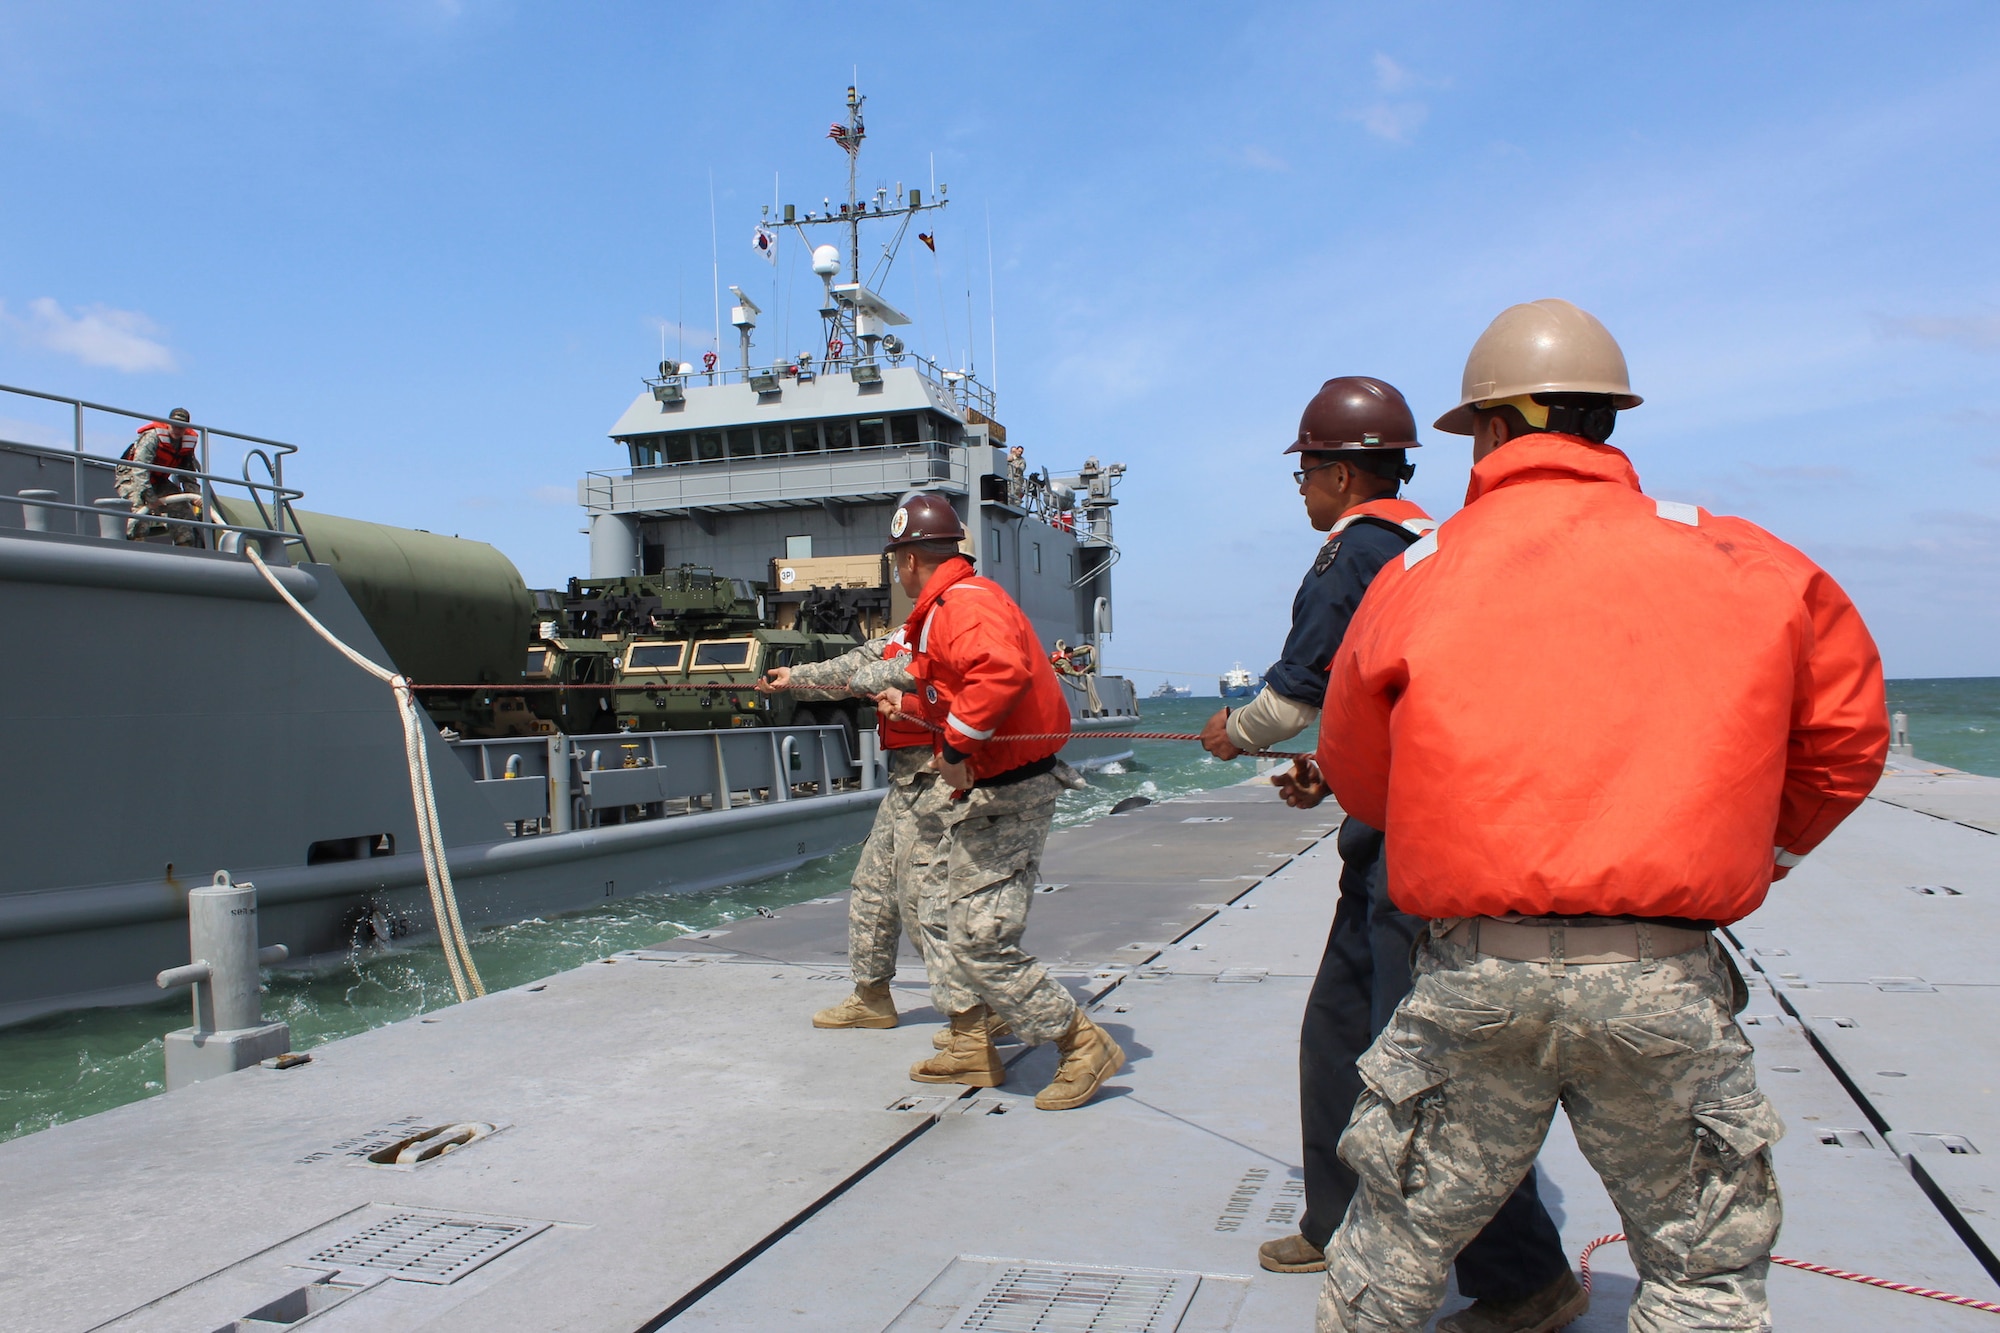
pixel 848 137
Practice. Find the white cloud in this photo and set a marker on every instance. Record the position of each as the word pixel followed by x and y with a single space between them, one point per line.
pixel 1390 76
pixel 1978 333
pixel 1389 118
pixel 1394 121
pixel 95 335
pixel 1263 159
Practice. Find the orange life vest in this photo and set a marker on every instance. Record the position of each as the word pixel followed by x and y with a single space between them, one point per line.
pixel 173 448
pixel 979 662
pixel 902 733
pixel 1572 699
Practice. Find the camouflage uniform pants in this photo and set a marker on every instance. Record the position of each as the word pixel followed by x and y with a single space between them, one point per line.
pixel 1657 1079
pixel 884 902
pixel 134 486
pixel 977 880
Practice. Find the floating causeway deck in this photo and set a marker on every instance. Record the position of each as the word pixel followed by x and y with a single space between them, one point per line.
pixel 676 1145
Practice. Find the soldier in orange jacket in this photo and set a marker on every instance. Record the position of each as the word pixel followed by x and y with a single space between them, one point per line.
pixel 979 666
pixel 1594 727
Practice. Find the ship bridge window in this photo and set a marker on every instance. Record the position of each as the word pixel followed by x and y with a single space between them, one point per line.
pixel 723 653
pixel 654 656
pixel 707 446
pixel 770 440
pixel 805 437
pixel 872 434
pixel 645 453
pixel 839 434
pixel 680 448
pixel 743 442
pixel 908 429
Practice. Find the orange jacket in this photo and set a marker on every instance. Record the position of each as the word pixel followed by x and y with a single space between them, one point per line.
pixel 1403 513
pixel 903 733
pixel 978 662
pixel 1573 700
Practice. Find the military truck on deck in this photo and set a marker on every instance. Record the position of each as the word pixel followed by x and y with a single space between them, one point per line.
pixel 676 651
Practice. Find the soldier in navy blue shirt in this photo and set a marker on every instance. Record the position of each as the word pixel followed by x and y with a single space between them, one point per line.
pixel 1351 444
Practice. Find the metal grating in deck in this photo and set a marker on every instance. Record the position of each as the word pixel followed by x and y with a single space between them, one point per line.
pixel 419 1247
pixel 1047 1298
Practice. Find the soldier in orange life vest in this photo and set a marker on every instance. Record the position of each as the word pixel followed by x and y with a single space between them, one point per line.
pixel 1595 726
pixel 147 479
pixel 883 903
pixel 1001 716
pixel 1352 440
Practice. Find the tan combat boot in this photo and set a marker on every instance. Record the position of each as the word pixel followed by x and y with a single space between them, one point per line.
pixel 1544 1311
pixel 1089 1056
pixel 867 1007
pixel 968 1056
pixel 996 1028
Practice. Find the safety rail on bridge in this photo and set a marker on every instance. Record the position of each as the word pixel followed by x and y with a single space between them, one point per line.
pixel 554 784
pixel 88 479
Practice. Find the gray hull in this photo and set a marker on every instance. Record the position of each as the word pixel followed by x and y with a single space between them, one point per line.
pixel 170 717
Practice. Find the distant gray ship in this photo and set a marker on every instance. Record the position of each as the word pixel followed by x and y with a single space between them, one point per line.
pixel 171 717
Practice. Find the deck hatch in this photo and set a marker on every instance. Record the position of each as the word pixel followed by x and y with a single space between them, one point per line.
pixel 421 1247
pixel 1044 1298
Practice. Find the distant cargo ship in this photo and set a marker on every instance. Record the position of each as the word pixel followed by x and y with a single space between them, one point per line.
pixel 1238 683
pixel 1169 690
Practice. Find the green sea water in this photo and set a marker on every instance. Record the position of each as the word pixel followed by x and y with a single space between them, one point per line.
pixel 75 1064
pixel 69 1065
pixel 1955 722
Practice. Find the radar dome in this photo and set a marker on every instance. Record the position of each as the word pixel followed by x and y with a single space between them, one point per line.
pixel 826 260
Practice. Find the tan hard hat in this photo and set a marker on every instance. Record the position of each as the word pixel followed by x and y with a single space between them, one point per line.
pixel 1546 346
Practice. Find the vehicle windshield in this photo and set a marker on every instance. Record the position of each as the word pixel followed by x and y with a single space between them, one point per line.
pixel 723 653
pixel 538 662
pixel 654 657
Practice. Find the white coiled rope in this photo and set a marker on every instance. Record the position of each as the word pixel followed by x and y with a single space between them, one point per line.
pixel 430 833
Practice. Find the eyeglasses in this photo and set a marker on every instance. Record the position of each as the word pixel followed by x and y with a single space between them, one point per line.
pixel 1299 477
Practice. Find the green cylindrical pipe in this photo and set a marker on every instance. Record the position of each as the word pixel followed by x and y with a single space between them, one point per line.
pixel 449 611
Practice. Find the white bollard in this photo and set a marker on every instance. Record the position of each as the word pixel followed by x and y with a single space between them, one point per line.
pixel 34 517
pixel 113 513
pixel 559 807
pixel 229 1032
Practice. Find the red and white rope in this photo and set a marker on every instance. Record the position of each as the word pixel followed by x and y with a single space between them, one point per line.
pixel 1583 1265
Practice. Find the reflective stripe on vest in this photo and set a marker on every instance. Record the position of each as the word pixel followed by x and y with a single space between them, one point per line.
pixel 952 720
pixel 1675 511
pixel 1420 549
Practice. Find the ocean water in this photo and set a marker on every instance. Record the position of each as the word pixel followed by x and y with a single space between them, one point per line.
pixel 75 1064
pixel 70 1065
pixel 1955 722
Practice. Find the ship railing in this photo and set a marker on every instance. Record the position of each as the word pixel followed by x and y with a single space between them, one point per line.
pixel 94 508
pixel 779 478
pixel 963 387
pixel 556 783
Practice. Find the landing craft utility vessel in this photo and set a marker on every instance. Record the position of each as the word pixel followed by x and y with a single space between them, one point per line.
pixel 179 719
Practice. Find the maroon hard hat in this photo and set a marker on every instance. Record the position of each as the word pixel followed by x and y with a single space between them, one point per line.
pixel 924 516
pixel 1355 412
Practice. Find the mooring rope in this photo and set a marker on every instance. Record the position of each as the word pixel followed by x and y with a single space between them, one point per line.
pixel 1583 1265
pixel 465 977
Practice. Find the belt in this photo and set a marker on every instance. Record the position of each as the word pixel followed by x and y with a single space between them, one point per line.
pixel 1570 942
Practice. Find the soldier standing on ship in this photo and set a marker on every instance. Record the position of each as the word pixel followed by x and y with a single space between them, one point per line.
pixel 1585 719
pixel 884 900
pixel 978 662
pixel 147 478
pixel 1352 439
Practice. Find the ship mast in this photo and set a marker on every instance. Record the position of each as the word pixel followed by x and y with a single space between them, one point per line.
pixel 854 314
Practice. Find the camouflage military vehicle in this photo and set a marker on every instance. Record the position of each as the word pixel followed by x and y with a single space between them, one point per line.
pixel 650 640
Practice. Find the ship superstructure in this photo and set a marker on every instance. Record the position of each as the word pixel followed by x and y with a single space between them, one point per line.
pixel 787 471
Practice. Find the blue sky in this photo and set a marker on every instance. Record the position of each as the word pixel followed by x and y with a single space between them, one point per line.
pixel 435 245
